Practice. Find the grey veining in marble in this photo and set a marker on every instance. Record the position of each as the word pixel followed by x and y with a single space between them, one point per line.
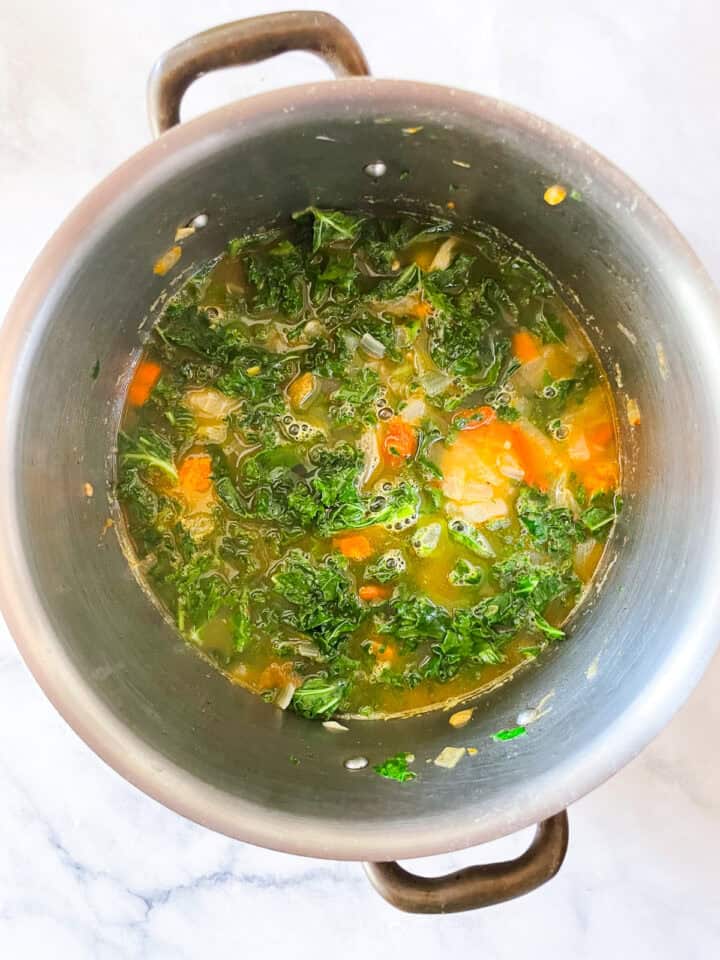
pixel 89 867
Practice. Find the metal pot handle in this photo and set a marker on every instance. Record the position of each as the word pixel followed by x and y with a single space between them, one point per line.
pixel 478 886
pixel 248 41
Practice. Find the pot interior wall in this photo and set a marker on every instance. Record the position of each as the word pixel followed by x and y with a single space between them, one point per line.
pixel 625 272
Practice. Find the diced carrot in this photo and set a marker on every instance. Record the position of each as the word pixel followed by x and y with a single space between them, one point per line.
pixel 276 674
pixel 602 434
pixel 195 474
pixel 167 261
pixel 421 310
pixel 144 379
pixel 355 546
pixel 301 389
pixel 373 591
pixel 399 442
pixel 525 346
pixel 532 457
pixel 382 651
pixel 472 419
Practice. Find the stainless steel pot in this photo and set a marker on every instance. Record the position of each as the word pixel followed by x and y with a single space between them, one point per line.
pixel 100 649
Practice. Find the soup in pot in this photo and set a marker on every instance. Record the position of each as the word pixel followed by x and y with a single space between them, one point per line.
pixel 368 466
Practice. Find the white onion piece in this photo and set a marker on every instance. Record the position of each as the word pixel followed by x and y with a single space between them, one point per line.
pixel 285 695
pixel 414 410
pixel 579 451
pixel 583 551
pixel 512 471
pixel 212 432
pixel 368 444
pixel 444 256
pixel 334 726
pixel 210 404
pixel 402 307
pixel 372 346
pixel 449 757
pixel 562 496
pixel 351 340
pixel 434 382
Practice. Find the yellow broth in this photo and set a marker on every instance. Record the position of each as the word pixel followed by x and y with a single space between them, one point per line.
pixel 369 466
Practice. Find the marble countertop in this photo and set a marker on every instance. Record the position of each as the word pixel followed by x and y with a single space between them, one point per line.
pixel 90 867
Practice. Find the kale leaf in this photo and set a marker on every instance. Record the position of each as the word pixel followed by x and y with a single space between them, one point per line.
pixel 321 597
pixel 330 226
pixel 354 400
pixel 552 529
pixel 318 698
pixel 396 768
pixel 278 277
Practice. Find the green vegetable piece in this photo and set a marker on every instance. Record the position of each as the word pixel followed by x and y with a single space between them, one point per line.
pixel 470 537
pixel 396 768
pixel 321 597
pixel 465 574
pixel 552 528
pixel 318 698
pixel 278 275
pixel 425 540
pixel 602 512
pixel 149 449
pixel 548 327
pixel 354 400
pixel 95 371
pixel 387 567
pixel 511 734
pixel 330 226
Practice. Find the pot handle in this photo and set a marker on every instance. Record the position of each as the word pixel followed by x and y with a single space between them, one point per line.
pixel 248 41
pixel 478 886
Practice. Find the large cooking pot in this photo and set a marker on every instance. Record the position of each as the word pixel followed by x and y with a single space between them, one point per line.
pixel 122 677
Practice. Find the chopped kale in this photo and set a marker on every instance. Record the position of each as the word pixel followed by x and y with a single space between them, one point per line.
pixel 318 698
pixel 321 596
pixel 396 768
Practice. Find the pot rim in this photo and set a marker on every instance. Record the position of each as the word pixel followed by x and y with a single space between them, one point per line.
pixel 94 721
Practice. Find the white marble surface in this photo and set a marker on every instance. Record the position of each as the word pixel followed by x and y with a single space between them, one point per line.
pixel 89 867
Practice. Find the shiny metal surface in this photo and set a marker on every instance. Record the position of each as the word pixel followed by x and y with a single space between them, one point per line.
pixel 477 886
pixel 116 670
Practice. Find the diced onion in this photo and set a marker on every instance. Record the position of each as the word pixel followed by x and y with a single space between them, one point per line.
pixel 372 346
pixel 414 410
pixel 351 340
pixel 579 450
pixel 210 404
pixel 334 726
pixel 449 757
pixel 443 257
pixel 583 551
pixel 368 444
pixel 461 718
pixel 434 382
pixel 512 470
pixel 285 695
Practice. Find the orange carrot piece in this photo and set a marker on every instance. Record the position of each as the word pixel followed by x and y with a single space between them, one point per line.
pixel 472 419
pixel 354 547
pixel 532 457
pixel 382 651
pixel 399 442
pixel 195 474
pixel 421 310
pixel 301 389
pixel 602 434
pixel 144 379
pixel 373 591
pixel 525 346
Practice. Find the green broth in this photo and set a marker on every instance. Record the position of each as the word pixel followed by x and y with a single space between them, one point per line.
pixel 368 465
